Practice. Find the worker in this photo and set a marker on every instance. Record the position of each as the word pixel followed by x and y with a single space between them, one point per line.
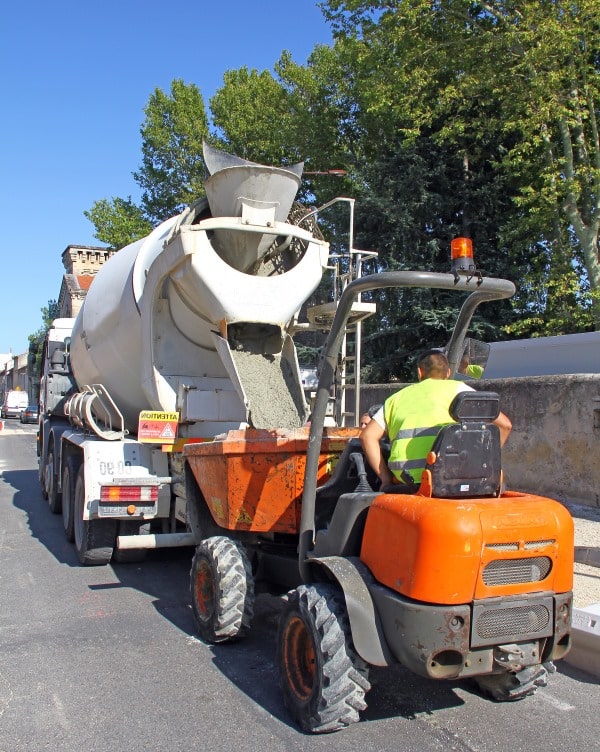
pixel 470 369
pixel 368 415
pixel 411 418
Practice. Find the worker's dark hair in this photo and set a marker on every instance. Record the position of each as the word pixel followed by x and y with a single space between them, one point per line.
pixel 434 364
pixel 373 409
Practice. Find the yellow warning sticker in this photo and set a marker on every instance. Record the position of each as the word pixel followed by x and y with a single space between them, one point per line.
pixel 156 427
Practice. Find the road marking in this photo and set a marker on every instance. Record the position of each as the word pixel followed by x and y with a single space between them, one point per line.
pixel 6 697
pixel 558 704
pixel 60 712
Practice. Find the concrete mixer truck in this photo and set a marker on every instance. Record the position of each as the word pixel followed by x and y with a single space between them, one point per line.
pixel 172 413
pixel 188 328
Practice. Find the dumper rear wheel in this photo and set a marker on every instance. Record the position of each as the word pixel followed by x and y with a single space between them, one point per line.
pixel 323 680
pixel 222 588
pixel 508 687
pixel 94 539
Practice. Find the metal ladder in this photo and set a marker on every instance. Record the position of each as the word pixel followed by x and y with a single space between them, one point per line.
pixel 346 267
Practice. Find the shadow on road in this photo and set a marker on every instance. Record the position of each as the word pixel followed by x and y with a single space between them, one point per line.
pixel 249 664
pixel 164 575
pixel 44 525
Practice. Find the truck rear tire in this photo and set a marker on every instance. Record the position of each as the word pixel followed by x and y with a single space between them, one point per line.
pixel 509 687
pixel 69 477
pixel 94 539
pixel 50 480
pixel 222 588
pixel 323 680
pixel 42 477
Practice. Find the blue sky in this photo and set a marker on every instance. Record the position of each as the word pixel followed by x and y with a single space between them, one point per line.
pixel 75 76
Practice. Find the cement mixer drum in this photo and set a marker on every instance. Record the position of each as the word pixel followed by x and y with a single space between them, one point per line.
pixel 195 317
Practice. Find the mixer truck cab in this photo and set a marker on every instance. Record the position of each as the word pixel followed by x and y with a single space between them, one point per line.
pixel 173 413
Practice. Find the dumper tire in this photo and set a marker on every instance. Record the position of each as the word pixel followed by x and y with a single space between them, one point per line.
pixel 50 480
pixel 510 686
pixel 68 493
pixel 323 680
pixel 94 539
pixel 222 589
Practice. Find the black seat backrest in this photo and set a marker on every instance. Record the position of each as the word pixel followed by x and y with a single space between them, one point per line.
pixel 465 457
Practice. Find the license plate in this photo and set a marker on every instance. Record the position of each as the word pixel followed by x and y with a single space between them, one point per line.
pixel 120 510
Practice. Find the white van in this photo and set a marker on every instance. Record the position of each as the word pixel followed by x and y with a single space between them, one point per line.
pixel 13 404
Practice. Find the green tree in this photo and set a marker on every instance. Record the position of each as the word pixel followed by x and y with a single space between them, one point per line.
pixel 172 171
pixel 118 221
pixel 516 85
pixel 36 340
pixel 254 119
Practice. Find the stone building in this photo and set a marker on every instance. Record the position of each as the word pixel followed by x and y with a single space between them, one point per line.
pixel 81 263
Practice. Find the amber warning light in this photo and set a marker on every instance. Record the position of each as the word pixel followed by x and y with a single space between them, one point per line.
pixel 462 255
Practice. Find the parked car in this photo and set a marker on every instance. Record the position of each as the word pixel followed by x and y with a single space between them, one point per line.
pixel 29 414
pixel 15 401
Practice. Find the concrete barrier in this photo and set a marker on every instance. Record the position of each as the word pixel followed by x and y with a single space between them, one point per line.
pixel 585 650
pixel 556 427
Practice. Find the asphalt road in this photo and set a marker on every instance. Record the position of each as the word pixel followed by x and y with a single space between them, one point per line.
pixel 106 659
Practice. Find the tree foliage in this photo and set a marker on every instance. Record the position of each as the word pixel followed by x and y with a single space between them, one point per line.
pixel 36 340
pixel 515 85
pixel 254 118
pixel 118 222
pixel 448 117
pixel 172 172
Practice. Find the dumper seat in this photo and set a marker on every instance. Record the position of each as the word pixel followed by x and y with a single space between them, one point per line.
pixel 465 459
pixel 351 474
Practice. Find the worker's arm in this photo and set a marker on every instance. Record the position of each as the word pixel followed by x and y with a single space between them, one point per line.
pixel 370 437
pixel 505 426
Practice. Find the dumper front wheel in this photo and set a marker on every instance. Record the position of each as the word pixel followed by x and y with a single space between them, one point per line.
pixel 323 680
pixel 94 539
pixel 222 589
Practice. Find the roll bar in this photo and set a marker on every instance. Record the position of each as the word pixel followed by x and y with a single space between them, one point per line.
pixel 482 289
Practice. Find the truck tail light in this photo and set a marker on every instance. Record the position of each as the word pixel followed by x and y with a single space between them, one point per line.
pixel 119 494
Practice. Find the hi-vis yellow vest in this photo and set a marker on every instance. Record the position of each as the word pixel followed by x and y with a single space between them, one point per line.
pixel 413 417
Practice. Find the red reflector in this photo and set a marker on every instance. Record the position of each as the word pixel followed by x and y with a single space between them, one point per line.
pixel 128 493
